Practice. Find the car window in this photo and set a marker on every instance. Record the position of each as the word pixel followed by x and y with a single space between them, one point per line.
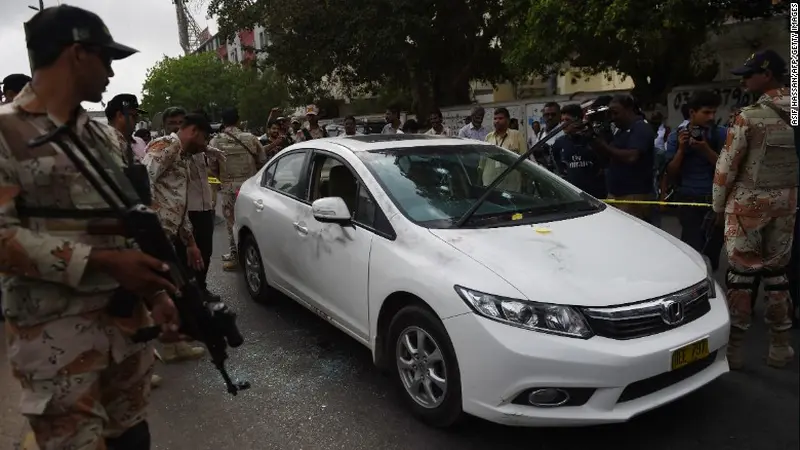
pixel 332 178
pixel 287 175
pixel 435 186
pixel 269 174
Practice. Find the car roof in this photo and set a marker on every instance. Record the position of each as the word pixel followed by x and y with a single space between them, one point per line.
pixel 369 142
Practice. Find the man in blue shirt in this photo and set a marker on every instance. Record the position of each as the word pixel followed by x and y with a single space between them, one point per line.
pixel 692 151
pixel 575 158
pixel 631 157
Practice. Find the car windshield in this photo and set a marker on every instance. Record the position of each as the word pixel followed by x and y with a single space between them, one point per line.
pixel 434 186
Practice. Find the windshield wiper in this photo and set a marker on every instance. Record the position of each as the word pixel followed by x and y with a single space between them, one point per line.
pixel 542 142
pixel 566 208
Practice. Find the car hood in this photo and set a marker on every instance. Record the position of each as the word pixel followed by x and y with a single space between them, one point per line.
pixel 602 259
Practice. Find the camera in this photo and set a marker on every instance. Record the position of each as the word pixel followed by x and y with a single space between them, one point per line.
pixel 597 122
pixel 696 132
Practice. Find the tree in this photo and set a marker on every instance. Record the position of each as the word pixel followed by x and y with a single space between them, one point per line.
pixel 434 48
pixel 658 43
pixel 258 94
pixel 197 81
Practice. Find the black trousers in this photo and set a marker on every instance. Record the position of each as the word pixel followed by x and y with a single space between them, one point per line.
pixel 698 228
pixel 203 225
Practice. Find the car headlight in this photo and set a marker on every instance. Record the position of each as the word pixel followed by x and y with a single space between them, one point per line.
pixel 712 287
pixel 542 317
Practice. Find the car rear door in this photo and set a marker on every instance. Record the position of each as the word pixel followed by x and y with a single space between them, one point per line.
pixel 280 206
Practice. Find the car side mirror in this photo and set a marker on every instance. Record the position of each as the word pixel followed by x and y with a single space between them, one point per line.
pixel 331 210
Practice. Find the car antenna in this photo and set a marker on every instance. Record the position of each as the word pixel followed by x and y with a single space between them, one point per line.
pixel 542 142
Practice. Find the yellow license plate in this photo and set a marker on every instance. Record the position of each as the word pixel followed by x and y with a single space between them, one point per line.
pixel 689 354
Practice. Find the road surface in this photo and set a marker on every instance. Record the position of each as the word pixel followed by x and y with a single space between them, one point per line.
pixel 315 388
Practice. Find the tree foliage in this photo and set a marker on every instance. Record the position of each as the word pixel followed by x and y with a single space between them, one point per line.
pixel 198 81
pixel 204 82
pixel 658 43
pixel 434 48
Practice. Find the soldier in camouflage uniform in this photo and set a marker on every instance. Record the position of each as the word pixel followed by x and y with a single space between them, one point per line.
pixel 244 157
pixel 755 186
pixel 85 384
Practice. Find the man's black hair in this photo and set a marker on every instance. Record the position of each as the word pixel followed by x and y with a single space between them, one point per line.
pixel 552 105
pixel 626 101
pixel 273 122
pixel 437 112
pixel 199 121
pixel 173 111
pixel 411 126
pixel 685 111
pixel 142 133
pixel 503 112
pixel 353 118
pixel 230 117
pixel 703 99
pixel 15 82
pixel 573 110
pixel 394 109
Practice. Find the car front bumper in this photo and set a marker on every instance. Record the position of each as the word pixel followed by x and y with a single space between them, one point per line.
pixel 500 364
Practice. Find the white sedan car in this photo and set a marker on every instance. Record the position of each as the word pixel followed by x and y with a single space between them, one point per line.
pixel 538 306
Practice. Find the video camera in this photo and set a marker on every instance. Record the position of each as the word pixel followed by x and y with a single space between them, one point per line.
pixel 597 120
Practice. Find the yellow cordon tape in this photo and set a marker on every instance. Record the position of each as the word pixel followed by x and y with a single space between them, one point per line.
pixel 612 201
pixel 212 180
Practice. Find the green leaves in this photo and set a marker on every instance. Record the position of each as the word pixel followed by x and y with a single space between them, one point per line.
pixel 203 81
pixel 644 39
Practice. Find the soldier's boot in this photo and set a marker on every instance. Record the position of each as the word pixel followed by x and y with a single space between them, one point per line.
pixel 735 351
pixel 229 257
pixel 780 352
pixel 155 381
pixel 181 351
pixel 232 264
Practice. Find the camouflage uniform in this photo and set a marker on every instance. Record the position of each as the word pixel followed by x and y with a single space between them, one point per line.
pixel 244 156
pixel 168 168
pixel 82 378
pixel 755 185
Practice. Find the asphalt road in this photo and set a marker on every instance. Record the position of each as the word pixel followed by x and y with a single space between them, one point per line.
pixel 315 388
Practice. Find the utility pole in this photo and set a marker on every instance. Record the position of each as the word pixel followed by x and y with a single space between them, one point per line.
pixel 41 6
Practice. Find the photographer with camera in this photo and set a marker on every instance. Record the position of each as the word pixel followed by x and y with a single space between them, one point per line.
pixel 64 258
pixel 575 158
pixel 692 152
pixel 631 154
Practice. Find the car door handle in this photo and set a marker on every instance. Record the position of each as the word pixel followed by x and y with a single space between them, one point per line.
pixel 302 229
pixel 259 204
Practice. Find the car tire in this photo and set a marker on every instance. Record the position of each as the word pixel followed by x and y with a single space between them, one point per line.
pixel 410 321
pixel 253 266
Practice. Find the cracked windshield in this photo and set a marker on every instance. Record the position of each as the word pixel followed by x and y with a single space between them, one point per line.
pixel 399 224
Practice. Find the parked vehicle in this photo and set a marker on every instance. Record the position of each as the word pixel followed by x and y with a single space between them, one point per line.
pixel 544 307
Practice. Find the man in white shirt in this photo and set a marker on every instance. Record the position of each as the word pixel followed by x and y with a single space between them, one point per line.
pixel 350 127
pixel 437 127
pixel 475 129
pixel 537 133
pixel 392 121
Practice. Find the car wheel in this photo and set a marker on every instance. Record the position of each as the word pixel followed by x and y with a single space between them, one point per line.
pixel 425 366
pixel 250 261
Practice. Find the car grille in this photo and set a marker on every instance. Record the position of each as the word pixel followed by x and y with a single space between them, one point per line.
pixel 650 317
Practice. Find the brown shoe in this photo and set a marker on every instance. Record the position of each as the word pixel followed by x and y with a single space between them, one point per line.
pixel 230 266
pixel 229 257
pixel 181 351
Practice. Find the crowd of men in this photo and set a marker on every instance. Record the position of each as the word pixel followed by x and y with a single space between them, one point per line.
pixel 86 384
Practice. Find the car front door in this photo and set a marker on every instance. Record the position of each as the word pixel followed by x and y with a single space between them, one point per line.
pixel 337 256
pixel 280 205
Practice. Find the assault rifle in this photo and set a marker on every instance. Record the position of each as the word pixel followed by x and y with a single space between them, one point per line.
pixel 211 323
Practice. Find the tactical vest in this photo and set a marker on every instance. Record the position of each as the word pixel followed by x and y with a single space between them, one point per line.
pixel 239 164
pixel 771 158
